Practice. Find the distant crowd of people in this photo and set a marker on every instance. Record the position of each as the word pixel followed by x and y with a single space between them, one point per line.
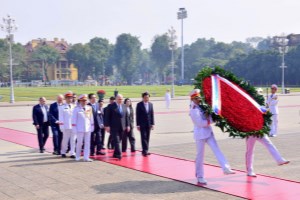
pixel 82 123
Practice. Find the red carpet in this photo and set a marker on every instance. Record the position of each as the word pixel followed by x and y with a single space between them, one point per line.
pixel 262 187
pixel 15 120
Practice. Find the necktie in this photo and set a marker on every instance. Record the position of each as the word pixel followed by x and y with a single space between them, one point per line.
pixel 69 106
pixel 83 108
pixel 120 109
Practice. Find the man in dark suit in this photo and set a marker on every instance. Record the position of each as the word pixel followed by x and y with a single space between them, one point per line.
pixel 145 121
pixel 40 118
pixel 110 144
pixel 116 121
pixel 54 123
pixel 96 134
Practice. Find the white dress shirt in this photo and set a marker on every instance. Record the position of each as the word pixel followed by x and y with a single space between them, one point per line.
pixel 146 106
pixel 128 110
pixel 44 113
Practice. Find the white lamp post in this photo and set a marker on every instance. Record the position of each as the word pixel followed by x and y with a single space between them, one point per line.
pixel 283 50
pixel 173 45
pixel 9 27
pixel 282 43
pixel 182 14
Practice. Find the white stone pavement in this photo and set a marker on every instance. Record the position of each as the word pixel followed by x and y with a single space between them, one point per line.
pixel 22 169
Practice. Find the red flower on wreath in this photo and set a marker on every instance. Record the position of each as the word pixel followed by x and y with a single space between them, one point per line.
pixel 101 92
pixel 239 112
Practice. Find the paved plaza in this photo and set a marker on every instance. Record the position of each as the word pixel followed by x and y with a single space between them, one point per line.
pixel 27 174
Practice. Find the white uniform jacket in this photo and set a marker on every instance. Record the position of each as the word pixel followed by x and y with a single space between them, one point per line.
pixel 82 119
pixel 202 127
pixel 168 96
pixel 65 116
pixel 272 102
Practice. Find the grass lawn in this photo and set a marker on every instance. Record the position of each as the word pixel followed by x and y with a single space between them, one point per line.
pixel 33 93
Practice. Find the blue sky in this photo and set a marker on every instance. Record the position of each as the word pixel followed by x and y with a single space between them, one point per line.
pixel 80 20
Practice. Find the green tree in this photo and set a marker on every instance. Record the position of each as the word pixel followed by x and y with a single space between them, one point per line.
pixel 258 67
pixel 79 54
pixel 126 56
pixel 254 41
pixel 19 61
pixel 265 44
pixel 161 54
pixel 100 53
pixel 47 56
pixel 145 72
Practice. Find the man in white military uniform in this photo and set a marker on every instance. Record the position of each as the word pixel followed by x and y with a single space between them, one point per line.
pixel 250 142
pixel 168 98
pixel 65 122
pixel 203 133
pixel 83 125
pixel 272 105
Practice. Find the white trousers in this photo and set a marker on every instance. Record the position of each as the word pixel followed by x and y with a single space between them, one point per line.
pixel 86 137
pixel 168 102
pixel 250 142
pixel 211 141
pixel 274 125
pixel 68 135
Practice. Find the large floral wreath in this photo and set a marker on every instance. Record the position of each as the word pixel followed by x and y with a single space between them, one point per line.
pixel 239 117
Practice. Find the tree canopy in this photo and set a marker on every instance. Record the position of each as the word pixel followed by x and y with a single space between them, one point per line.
pixel 126 55
pixel 255 60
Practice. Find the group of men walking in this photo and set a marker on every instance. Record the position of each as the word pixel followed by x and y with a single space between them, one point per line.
pixel 83 123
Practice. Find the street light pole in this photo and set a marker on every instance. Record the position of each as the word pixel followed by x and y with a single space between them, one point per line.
pixel 283 50
pixel 9 27
pixel 182 14
pixel 282 42
pixel 172 44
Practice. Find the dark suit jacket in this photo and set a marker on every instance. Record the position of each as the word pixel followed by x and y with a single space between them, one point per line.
pixel 53 114
pixel 144 119
pixel 95 113
pixel 100 117
pixel 38 116
pixel 131 117
pixel 114 119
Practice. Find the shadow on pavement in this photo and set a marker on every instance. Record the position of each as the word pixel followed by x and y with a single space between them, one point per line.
pixel 145 187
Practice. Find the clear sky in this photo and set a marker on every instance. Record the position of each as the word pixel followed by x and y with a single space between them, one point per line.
pixel 80 20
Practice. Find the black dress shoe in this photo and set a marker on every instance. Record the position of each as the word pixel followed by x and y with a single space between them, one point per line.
pixel 144 154
pixel 118 157
pixel 100 153
pixel 63 155
pixel 103 148
pixel 55 153
pixel 72 156
pixel 133 150
pixel 148 154
pixel 92 154
pixel 41 151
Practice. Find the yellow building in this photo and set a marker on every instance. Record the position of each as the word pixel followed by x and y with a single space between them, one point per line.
pixel 63 69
